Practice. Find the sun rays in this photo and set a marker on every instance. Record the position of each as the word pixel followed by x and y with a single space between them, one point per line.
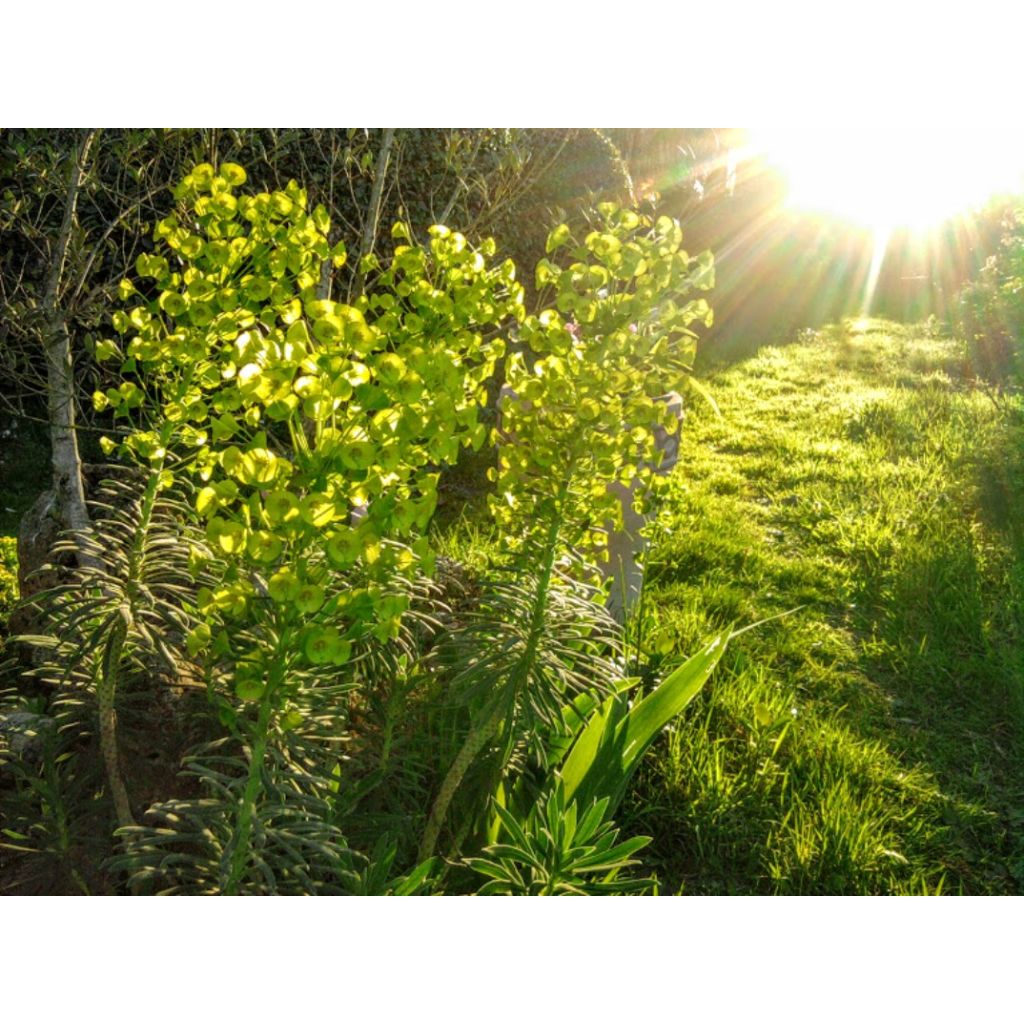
pixel 892 176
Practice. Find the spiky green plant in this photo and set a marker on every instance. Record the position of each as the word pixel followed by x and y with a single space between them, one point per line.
pixel 579 416
pixel 314 430
pixel 125 608
pixel 48 802
pixel 532 643
pixel 292 845
pixel 559 850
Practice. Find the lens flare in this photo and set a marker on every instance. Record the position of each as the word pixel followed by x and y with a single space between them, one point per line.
pixel 886 177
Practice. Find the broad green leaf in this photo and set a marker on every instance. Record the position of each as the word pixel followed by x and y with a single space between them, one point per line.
pixel 258 466
pixel 309 598
pixel 671 696
pixel 202 176
pixel 597 734
pixel 280 507
pixel 390 368
pixel 324 645
pixel 198 639
pixel 105 350
pixel 250 689
pixel 575 717
pixel 207 501
pixel 328 329
pixel 321 220
pixel 359 455
pixel 318 510
pixel 264 546
pixel 343 548
pixel 226 536
pixel 283 585
pixel 608 750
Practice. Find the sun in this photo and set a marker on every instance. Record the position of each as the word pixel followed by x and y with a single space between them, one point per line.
pixel 887 177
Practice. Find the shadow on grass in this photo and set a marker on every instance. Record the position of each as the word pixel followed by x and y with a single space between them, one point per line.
pixel 944 612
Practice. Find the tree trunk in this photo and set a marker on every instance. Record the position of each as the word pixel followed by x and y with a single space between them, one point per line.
pixel 69 492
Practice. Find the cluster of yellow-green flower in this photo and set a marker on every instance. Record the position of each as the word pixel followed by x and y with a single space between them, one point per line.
pixel 312 429
pixel 581 408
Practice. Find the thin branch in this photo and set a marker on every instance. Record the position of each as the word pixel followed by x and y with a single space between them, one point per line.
pixel 373 212
pixel 68 487
pixel 460 184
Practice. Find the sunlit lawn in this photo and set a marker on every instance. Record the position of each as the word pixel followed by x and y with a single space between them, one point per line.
pixel 870 741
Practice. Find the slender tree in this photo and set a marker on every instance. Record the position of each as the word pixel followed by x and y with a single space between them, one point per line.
pixel 68 488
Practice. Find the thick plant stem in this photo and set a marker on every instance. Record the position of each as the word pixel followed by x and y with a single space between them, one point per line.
pixel 540 602
pixel 481 733
pixel 253 785
pixel 110 669
pixel 474 743
pixel 146 507
pixel 105 693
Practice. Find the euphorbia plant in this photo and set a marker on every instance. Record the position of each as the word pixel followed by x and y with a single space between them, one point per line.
pixel 313 431
pixel 579 414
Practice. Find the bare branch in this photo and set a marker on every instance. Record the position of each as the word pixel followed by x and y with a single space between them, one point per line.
pixel 373 212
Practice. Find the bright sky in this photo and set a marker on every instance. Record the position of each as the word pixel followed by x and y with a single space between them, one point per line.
pixel 884 176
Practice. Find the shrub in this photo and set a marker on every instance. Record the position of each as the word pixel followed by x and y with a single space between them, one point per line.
pixel 990 309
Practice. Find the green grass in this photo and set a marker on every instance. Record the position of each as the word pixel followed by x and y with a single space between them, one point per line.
pixel 871 741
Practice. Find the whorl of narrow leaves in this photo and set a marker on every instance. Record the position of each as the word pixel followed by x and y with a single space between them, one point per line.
pixel 584 406
pixel 560 850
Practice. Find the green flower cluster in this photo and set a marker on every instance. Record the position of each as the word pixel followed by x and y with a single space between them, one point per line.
pixel 307 434
pixel 289 411
pixel 583 408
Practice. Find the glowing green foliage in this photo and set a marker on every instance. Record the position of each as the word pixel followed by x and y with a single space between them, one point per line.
pixel 582 409
pixel 296 410
pixel 310 433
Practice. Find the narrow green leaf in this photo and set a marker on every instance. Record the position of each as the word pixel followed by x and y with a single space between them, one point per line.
pixel 508 819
